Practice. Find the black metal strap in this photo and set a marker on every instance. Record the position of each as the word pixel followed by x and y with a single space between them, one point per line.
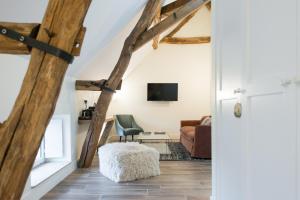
pixel 36 44
pixel 103 86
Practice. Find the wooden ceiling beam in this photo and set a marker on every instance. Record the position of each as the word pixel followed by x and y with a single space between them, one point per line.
pixel 22 132
pixel 170 39
pixel 88 85
pixel 9 46
pixel 171 7
pixel 184 11
pixel 186 40
pixel 156 20
pixel 91 141
pixel 208 6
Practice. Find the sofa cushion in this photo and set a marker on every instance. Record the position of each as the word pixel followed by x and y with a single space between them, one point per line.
pixel 188 132
pixel 132 131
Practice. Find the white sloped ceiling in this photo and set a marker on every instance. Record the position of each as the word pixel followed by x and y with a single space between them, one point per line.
pixel 108 24
pixel 104 21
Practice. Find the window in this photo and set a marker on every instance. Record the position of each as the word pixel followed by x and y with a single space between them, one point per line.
pixel 55 150
pixel 51 148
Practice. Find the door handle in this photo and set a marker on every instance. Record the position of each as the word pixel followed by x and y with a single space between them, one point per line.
pixel 239 91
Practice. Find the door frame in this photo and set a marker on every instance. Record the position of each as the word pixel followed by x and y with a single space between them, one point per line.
pixel 214 60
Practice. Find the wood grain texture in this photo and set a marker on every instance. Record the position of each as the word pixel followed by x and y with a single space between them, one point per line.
pixel 171 7
pixel 22 132
pixel 9 46
pixel 186 40
pixel 208 6
pixel 179 180
pixel 184 11
pixel 170 39
pixel 90 144
pixel 156 20
pixel 89 85
pixel 108 126
pixel 78 42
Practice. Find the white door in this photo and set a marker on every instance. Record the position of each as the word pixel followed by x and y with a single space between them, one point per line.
pixel 229 60
pixel 270 101
pixel 256 52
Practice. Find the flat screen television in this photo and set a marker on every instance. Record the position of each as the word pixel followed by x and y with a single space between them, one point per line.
pixel 162 92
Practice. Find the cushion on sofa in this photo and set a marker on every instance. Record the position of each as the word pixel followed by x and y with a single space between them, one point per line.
pixel 132 131
pixel 188 132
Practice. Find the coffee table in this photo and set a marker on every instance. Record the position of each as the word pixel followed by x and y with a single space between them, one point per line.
pixel 156 141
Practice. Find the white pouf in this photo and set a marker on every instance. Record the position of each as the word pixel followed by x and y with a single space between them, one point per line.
pixel 128 161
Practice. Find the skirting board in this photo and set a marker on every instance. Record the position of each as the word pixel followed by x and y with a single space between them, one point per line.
pixel 39 191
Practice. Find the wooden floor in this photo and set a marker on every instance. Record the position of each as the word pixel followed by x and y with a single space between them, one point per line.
pixel 179 180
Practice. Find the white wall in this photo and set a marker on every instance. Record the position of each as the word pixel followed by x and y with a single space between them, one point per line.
pixel 189 66
pixel 13 69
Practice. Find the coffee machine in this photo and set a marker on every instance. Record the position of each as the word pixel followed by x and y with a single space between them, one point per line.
pixel 87 112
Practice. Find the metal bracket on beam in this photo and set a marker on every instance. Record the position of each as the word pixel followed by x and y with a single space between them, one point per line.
pixel 103 86
pixel 31 42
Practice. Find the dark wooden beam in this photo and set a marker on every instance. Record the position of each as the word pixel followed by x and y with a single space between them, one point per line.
pixel 90 144
pixel 186 40
pixel 91 85
pixel 9 46
pixel 184 11
pixel 170 39
pixel 108 126
pixel 156 20
pixel 22 132
pixel 181 24
pixel 208 6
pixel 78 42
pixel 171 7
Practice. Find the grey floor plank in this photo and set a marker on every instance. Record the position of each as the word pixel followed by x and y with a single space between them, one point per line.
pixel 179 180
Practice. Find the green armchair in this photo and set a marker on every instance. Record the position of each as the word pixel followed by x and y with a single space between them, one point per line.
pixel 126 125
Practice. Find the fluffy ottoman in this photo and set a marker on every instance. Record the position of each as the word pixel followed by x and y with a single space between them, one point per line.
pixel 122 162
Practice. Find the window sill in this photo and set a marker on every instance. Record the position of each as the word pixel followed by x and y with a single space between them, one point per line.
pixel 45 171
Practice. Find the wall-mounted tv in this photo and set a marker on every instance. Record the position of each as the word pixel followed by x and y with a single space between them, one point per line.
pixel 162 92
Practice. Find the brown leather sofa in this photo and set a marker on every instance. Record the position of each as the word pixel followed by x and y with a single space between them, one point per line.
pixel 196 137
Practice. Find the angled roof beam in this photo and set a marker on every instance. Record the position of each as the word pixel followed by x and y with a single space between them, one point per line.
pixel 156 20
pixel 208 6
pixel 184 11
pixel 186 40
pixel 22 132
pixel 171 7
pixel 89 85
pixel 170 39
pixel 9 46
pixel 91 141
